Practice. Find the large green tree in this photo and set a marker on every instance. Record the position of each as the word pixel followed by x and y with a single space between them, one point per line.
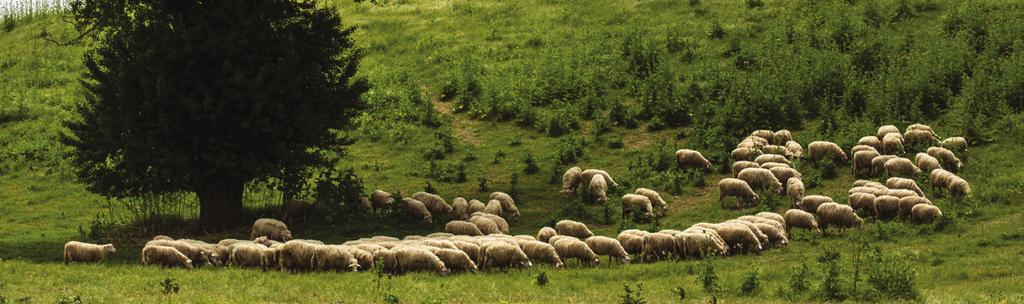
pixel 206 95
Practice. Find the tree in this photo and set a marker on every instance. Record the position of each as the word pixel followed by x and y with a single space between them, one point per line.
pixel 206 95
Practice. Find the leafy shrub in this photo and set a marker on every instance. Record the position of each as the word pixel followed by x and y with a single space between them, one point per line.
pixel 707 277
pixel 630 296
pixel 337 190
pixel 892 277
pixel 460 83
pixel 717 32
pixel 531 164
pixel 798 280
pixel 168 286
pixel 832 285
pixel 482 184
pixel 751 283
pixel 561 122
pixel 755 3
pixel 542 278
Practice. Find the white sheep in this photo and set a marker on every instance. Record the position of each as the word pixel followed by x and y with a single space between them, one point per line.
pixel 784 174
pixel 772 216
pixel 270 228
pixel 770 165
pixel 924 213
pixel 381 200
pixel 573 248
pixel 859 148
pixel 573 228
pixel 632 240
pixel 455 259
pixel 947 158
pixel 744 153
pixel 599 189
pixel 878 164
pixel 774 158
pixel 795 149
pixel 636 202
pixel 498 220
pixel 900 167
pixel 903 183
pixel 736 188
pixel 655 198
pixel 759 178
pixel 740 165
pixel 462 228
pixel 486 225
pixel 840 216
pixel 587 175
pixel 165 257
pixel 774 149
pixel 688 159
pixel 546 233
pixel 657 246
pixel 796 218
pixel 767 135
pixel 864 202
pixel 872 141
pixel 886 129
pixel 926 162
pixel 920 137
pixel 907 204
pixel 602 245
pixel 795 189
pixel 887 206
pixel 892 143
pixel 955 144
pixel 783 136
pixel 542 252
pixel 493 207
pixel 862 163
pixel 435 203
pixel 503 255
pixel 569 181
pixel 86 253
pixel 475 206
pixel 508 205
pixel 818 150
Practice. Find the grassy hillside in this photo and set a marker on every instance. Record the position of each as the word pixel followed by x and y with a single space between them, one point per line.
pixel 480 86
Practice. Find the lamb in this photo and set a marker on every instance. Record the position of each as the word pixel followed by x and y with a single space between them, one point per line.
pixel 381 200
pixel 862 163
pixel 498 220
pixel 573 228
pixel 417 209
pixel 744 153
pixel 926 162
pixel 248 255
pixel 864 202
pixel 573 248
pixel 493 207
pixel 455 260
pixel 785 174
pixel 476 206
pixel 887 206
pixel 795 189
pixel 636 202
pixel 462 228
pixel 602 245
pixel 165 257
pixel 774 149
pixel 687 159
pixel 920 137
pixel 796 218
pixel 434 203
pixel 819 150
pixel 872 141
pixel 740 165
pixel 657 246
pixel 783 136
pixel 599 189
pixel 900 167
pixel 886 129
pixel 736 188
pixel 795 149
pixel 655 198
pixel 776 236
pixel 907 204
pixel 292 209
pixel 810 203
pixel 903 183
pixel 272 229
pixel 924 213
pixel 955 144
pixel 485 225
pixel 86 253
pixel 772 216
pixel 498 254
pixel 198 255
pixel 760 178
pixel 892 143
pixel 508 206
pixel 587 175
pixel 569 181
pixel 542 252
pixel 878 163
pixel 767 135
pixel 946 158
pixel 545 233
pixel 774 158
pixel 416 259
pixel 840 216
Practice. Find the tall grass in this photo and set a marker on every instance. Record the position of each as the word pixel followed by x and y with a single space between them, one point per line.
pixel 15 9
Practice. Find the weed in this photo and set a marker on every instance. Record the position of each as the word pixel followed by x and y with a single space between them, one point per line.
pixel 892 276
pixel 169 286
pixel 707 277
pixel 542 279
pixel 798 280
pixel 717 32
pixel 499 156
pixel 531 164
pixel 755 3
pixel 751 283
pixel 680 293
pixel 429 188
pixel 832 285
pixel 69 300
pixel 630 296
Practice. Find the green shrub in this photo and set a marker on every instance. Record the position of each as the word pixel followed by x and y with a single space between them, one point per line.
pixel 707 277
pixel 717 32
pixel 755 3
pixel 892 277
pixel 168 286
pixel 630 296
pixel 531 164
pixel 751 283
pixel 799 277
pixel 542 279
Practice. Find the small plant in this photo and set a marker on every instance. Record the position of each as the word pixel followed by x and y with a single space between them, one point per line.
pixel 515 142
pixel 755 3
pixel 429 188
pixel 798 280
pixel 751 283
pixel 531 164
pixel 680 292
pixel 383 288
pixel 694 2
pixel 707 277
pixel 169 286
pixel 514 181
pixel 499 156
pixel 555 175
pixel 717 32
pixel 631 297
pixel 892 277
pixel 542 278
pixel 69 300
pixel 832 285
pixel 482 183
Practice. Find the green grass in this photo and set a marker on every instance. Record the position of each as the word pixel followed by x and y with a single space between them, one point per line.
pixel 977 260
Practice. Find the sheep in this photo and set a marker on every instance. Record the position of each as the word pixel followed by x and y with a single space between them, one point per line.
pixel 687 159
pixel 899 193
pixel 736 188
pixel 417 209
pixel 886 129
pixel 794 149
pixel 924 213
pixel 773 149
pixel 503 255
pixel 784 174
pixel 757 219
pixel 868 183
pixel 545 233
pixel 767 135
pixel 859 148
pixel 762 238
pixel 218 254
pixel 416 259
pixel 525 237
pixel 475 206
pixel 740 165
pixel 297 255
pixel 573 228
pixel 887 206
pixel 569 181
pixel 471 249
pixel 840 216
pixel 810 203
pixel 759 178
pixel 958 187
pixel 862 162
pixel 871 141
pixel 868 190
pixel 292 209
pixel 795 189
pixel 602 245
pixel 270 228
pixel 573 248
pixel 508 206
pixel 776 236
pixel 493 207
pixel 632 241
pixel 365 205
pixel 636 202
pixel 955 144
pixel 900 167
pixel 739 237
pixel 878 163
pixel 247 255
pixel 903 183
pixel 198 255
pixel 381 200
pixel 770 165
pixel 587 175
pixel 892 143
pixel 455 260
pixel 657 246
pixel 796 218
pixel 162 237
pixel 818 150
pixel 542 252
pixel 694 244
pixel 599 189
pixel 920 137
pixel 232 242
pixel 744 153
pixel 460 208
pixel 920 127
pixel 498 220
pixel 783 136
pixel 774 158
pixel 753 142
pixel 926 162
pixel 947 158
pixel 907 204
pixel 772 216
pixel 462 228
pixel 267 242
pixel 434 203
pixel 86 253
pixel 486 225
pixel 864 202
pixel 655 198
pixel 165 257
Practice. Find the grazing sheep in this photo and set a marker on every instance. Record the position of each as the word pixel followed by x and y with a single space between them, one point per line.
pixel 924 213
pixel 231 242
pixel 770 165
pixel 417 259
pixel 752 142
pixel 738 237
pixel 248 255
pixel 886 129
pixel 657 246
pixel 655 198
pixel 907 204
pixel 887 206
pixel 783 136
pixel 759 178
pixel 573 248
pixel 573 228
pixel 795 149
pixel 757 219
pixel 920 127
pixel 381 200
pixel 810 203
pixel 542 252
pixel 926 162
pixel 292 209
pixel 86 253
pixel 297 255
pixel 569 181
pixel 493 207
pixel 818 150
pixel 587 175
pixel 687 159
pixel 272 229
pixel 545 233
pixel 198 255
pixel 632 240
pixel 892 143
pixel 767 135
pixel 498 220
pixel 475 206
pixel 698 244
pixel 773 149
pixel 761 236
pixel 462 228
pixel 599 189
pixel 736 188
pixel 946 157
pixel 267 242
pixel 602 245
pixel 864 202
pixel 871 141
pixel 772 216
pixel 165 257
pixel 508 206
pixel 773 158
pixel 460 208
pixel 904 183
pixel 162 237
pixel 776 236
pixel 796 218
pixel 218 254
pixel 417 209
pixel 784 174
pixel 486 225
pixel 503 255
pixel 636 202
pixel 434 203
pixel 920 137
pixel 878 164
pixel 958 187
pixel 744 154
pixel 900 167
pixel 840 216
pixel 955 144
pixel 859 148
pixel 795 189
pixel 455 260
pixel 862 163
pixel 740 165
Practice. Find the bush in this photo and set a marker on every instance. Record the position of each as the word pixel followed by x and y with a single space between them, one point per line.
pixel 755 3
pixel 531 164
pixel 168 286
pixel 542 278
pixel 832 285
pixel 892 277
pixel 633 297
pixel 751 283
pixel 482 184
pixel 799 277
pixel 717 32
pixel 337 191
pixel 707 277
pixel 561 122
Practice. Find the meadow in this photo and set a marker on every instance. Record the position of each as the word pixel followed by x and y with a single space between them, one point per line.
pixel 470 97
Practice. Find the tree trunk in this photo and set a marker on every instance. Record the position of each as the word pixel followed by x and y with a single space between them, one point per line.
pixel 220 204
